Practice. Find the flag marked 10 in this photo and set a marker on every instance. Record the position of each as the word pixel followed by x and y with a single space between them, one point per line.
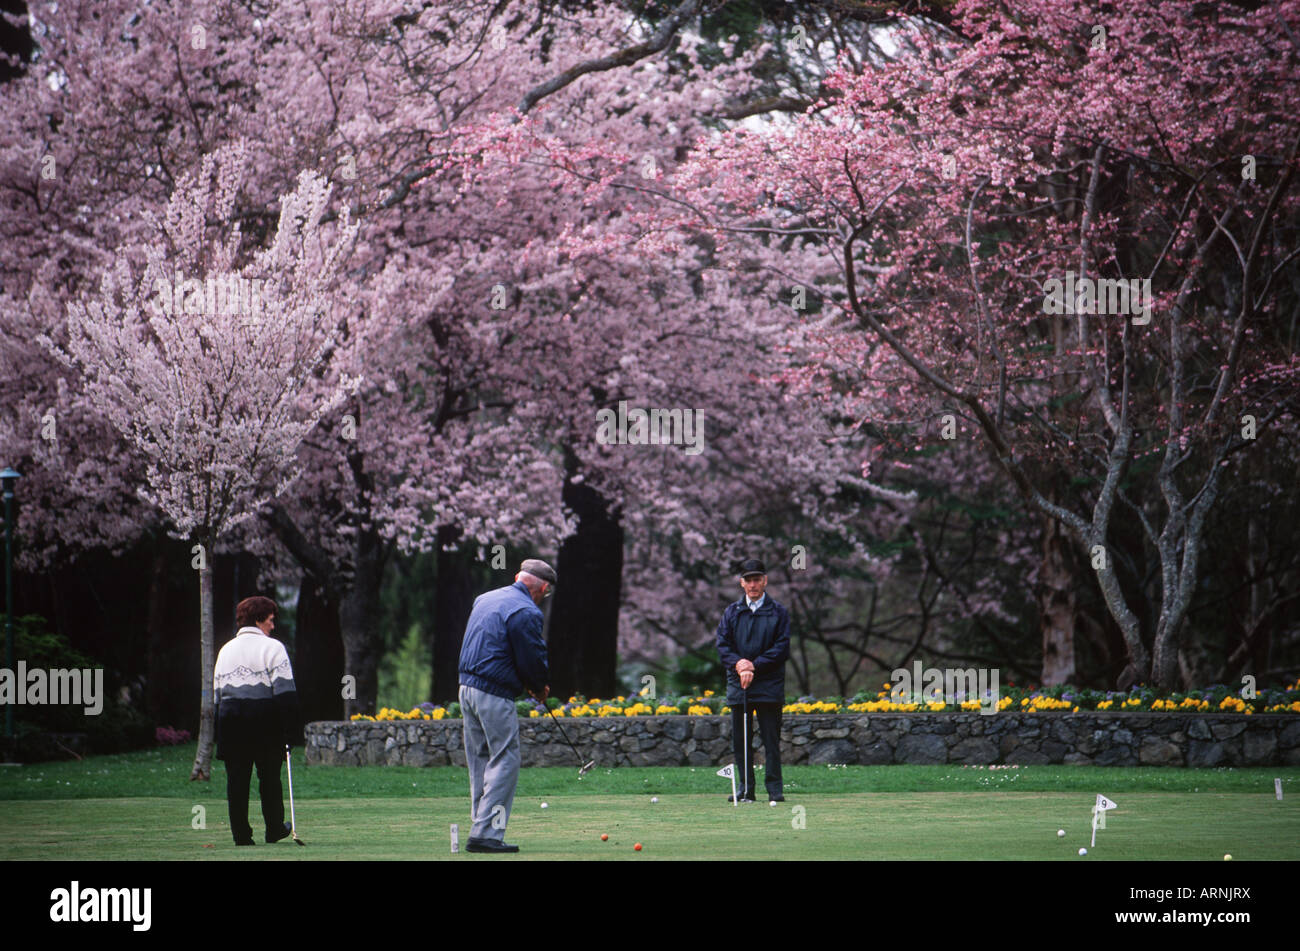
pixel 729 772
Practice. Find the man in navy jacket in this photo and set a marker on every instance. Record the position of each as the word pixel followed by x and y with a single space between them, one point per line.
pixel 753 641
pixel 503 653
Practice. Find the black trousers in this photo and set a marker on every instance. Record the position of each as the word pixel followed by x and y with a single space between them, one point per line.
pixel 239 772
pixel 769 728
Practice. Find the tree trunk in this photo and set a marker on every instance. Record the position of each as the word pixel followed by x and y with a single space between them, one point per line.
pixel 357 594
pixel 1057 607
pixel 318 654
pixel 1179 546
pixel 203 758
pixel 453 600
pixel 156 627
pixel 359 623
pixel 583 645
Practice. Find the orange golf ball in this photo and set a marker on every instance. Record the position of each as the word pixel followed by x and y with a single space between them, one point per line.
pixel 604 837
pixel 637 846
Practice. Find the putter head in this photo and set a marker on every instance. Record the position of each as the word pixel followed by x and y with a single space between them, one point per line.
pixel 586 766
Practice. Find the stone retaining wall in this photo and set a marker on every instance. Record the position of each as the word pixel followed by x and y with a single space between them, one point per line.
pixel 1099 739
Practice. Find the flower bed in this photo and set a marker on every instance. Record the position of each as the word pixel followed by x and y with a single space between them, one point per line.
pixel 1217 698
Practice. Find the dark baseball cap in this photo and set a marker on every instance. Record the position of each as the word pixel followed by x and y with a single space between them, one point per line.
pixel 751 566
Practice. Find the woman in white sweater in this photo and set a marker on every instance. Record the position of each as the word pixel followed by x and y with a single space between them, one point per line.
pixel 257 717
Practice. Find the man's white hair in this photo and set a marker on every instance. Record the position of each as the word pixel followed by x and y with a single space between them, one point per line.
pixel 530 580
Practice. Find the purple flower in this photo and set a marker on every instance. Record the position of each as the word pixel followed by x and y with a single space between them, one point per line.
pixel 166 736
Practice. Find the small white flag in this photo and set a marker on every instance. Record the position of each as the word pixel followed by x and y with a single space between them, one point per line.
pixel 729 772
pixel 1099 811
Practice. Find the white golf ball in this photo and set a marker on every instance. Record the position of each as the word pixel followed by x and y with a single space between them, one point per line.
pixel 654 798
pixel 1083 851
pixel 543 805
pixel 771 802
pixel 1227 858
pixel 1060 833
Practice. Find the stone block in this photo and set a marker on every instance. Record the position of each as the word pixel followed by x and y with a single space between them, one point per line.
pixel 1258 748
pixel 1226 731
pixel 875 754
pixel 1205 753
pixel 1158 751
pixel 974 750
pixel 1029 756
pixel 1116 755
pixel 831 751
pixel 676 728
pixel 830 733
pixel 417 756
pixel 1054 751
pixel 921 748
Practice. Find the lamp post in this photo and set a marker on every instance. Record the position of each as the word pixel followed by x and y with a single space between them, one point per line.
pixel 7 480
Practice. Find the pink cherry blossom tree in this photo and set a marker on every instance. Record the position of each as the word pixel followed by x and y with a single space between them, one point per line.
pixel 963 198
pixel 205 354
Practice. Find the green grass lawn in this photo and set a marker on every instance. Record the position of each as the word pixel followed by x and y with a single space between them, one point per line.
pixel 141 806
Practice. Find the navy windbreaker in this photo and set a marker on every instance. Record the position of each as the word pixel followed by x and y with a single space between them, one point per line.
pixel 503 651
pixel 762 636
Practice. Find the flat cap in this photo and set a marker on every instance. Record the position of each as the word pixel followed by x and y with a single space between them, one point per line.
pixel 751 566
pixel 538 569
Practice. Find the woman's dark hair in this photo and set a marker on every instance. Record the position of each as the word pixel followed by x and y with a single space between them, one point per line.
pixel 254 610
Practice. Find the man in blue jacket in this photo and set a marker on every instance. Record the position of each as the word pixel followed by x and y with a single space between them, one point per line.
pixel 503 653
pixel 754 643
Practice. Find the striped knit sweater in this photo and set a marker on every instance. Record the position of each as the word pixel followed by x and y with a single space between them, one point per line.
pixel 257 701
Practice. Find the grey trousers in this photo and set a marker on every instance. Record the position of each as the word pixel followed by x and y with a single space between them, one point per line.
pixel 492 753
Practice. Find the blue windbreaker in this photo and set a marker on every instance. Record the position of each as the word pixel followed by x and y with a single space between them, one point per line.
pixel 503 651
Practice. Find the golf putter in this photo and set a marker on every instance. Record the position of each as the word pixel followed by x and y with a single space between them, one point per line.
pixel 293 822
pixel 585 766
pixel 745 790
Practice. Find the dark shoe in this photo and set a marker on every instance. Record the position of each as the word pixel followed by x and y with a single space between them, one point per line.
pixel 743 798
pixel 245 842
pixel 490 845
pixel 282 834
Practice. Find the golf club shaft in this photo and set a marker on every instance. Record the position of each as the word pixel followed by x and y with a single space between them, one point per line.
pixel 288 762
pixel 581 761
pixel 746 782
